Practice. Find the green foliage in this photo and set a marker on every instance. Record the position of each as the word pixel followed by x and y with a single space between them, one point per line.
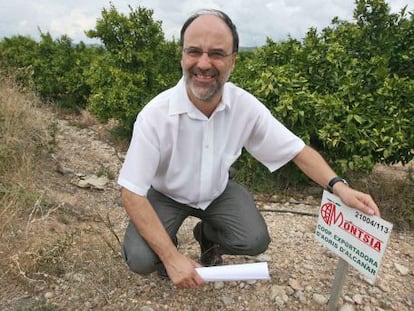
pixel 17 51
pixel 17 54
pixel 138 64
pixel 59 71
pixel 347 91
pixel 55 67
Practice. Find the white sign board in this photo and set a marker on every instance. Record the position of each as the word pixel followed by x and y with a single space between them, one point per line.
pixel 357 238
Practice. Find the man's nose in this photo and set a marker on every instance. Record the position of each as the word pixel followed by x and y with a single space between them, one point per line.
pixel 204 61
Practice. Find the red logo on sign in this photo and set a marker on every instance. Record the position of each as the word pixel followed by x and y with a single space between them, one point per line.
pixel 328 213
pixel 330 217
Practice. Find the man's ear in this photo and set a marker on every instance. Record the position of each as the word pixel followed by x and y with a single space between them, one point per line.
pixel 233 64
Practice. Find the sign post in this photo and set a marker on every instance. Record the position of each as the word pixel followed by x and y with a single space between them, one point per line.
pixel 358 239
pixel 338 283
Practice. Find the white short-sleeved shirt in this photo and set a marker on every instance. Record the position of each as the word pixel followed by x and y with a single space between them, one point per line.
pixel 185 155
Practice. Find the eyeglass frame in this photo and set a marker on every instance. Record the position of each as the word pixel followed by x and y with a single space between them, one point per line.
pixel 213 54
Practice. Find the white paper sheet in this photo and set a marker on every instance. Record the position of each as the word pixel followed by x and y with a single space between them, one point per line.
pixel 240 272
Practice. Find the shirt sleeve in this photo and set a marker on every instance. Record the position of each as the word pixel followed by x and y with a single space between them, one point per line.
pixel 141 160
pixel 271 142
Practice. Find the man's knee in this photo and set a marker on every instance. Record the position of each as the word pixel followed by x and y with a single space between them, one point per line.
pixel 253 244
pixel 258 243
pixel 137 262
pixel 137 254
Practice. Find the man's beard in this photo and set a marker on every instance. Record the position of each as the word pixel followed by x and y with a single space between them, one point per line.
pixel 203 93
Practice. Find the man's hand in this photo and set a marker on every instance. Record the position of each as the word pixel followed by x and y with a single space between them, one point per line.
pixel 315 167
pixel 356 199
pixel 182 273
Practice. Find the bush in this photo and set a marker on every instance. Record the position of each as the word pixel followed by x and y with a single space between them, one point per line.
pixel 137 65
pixel 344 91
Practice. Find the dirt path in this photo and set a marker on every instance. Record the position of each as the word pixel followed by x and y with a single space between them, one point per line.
pixel 81 268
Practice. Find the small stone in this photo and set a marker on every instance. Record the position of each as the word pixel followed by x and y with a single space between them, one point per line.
pixel 300 296
pixel 49 295
pixel 401 269
pixel 219 285
pixel 383 287
pixel 227 300
pixel 93 181
pixel 348 299
pixel 290 291
pixel 308 267
pixel 320 299
pixel 264 257
pixel 279 301
pixel 357 298
pixel 347 307
pixel 277 291
pixel 302 299
pixel 295 284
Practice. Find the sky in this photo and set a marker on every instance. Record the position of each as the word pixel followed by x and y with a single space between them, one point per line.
pixel 256 20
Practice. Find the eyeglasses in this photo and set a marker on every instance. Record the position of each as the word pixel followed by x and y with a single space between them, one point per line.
pixel 214 54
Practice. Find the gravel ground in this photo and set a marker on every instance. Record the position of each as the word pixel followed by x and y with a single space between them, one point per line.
pixel 92 275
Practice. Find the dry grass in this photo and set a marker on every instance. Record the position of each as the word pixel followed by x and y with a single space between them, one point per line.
pixel 41 240
pixel 26 137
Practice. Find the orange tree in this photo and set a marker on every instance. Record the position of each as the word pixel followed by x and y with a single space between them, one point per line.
pixel 138 63
pixel 54 67
pixel 348 91
pixel 17 54
pixel 59 70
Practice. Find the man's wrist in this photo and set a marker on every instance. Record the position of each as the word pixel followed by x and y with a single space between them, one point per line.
pixel 334 181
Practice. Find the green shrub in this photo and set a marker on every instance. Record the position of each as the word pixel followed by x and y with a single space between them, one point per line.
pixel 344 91
pixel 137 65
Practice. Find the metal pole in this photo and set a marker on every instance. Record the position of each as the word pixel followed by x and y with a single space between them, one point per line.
pixel 338 283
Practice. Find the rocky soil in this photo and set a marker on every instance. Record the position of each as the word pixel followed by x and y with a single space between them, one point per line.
pixel 83 270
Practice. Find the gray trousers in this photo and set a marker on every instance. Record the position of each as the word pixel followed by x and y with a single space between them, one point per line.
pixel 231 220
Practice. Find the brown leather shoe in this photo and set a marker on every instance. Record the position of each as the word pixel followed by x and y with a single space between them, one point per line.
pixel 210 255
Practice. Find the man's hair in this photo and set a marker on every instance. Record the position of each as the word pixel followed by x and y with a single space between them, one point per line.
pixel 223 16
